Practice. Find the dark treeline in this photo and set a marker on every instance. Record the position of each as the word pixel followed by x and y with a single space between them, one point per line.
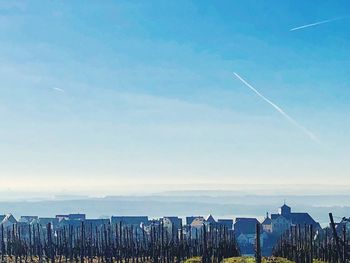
pixel 114 243
pixel 302 244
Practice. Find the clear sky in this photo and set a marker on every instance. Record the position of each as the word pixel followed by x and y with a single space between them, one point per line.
pixel 99 95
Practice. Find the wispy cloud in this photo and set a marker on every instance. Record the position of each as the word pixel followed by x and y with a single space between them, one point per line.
pixel 58 89
pixel 279 109
pixel 316 23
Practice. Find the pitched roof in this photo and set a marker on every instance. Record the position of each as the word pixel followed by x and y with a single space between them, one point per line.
pixel 303 219
pixel 274 216
pixel 267 221
pixel 198 222
pixel 285 206
pixel 44 221
pixel 189 219
pixel 246 219
pixel 226 222
pixel 77 216
pixel 70 222
pixel 299 219
pixel 210 219
pixel 245 225
pixel 176 221
pixel 27 219
pixel 8 220
pixel 175 218
pixel 129 220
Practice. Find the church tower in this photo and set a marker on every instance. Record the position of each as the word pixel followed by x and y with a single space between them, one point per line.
pixel 285 211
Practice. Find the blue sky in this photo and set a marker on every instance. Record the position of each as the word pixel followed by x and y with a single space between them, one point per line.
pixel 101 95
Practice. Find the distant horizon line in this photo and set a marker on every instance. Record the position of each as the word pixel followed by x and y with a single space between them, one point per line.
pixel 280 190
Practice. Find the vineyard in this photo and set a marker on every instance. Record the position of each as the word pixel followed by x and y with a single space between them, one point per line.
pixel 245 260
pixel 118 243
pixel 160 244
pixel 303 245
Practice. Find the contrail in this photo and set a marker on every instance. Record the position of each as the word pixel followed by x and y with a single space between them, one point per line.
pixel 58 89
pixel 316 23
pixel 290 119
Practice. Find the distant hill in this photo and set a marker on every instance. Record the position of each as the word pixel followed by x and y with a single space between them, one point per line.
pixel 226 206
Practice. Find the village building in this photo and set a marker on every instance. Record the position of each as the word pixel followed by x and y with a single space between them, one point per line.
pixel 344 224
pixel 61 217
pixel 71 217
pixel 189 219
pixel 96 223
pixel 198 222
pixel 267 224
pixel 130 220
pixel 77 217
pixel 279 224
pixel 285 218
pixel 27 219
pixel 69 223
pixel 245 233
pixel 210 220
pixel 196 227
pixel 244 225
pixel 228 223
pixel 7 220
pixel 175 221
pixel 44 221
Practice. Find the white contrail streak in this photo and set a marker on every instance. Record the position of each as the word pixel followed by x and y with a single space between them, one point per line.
pixel 58 89
pixel 316 23
pixel 284 114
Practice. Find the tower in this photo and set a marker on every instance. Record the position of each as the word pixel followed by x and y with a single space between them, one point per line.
pixel 285 211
